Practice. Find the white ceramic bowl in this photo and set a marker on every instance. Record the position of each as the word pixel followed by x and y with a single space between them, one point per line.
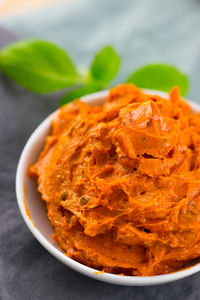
pixel 40 226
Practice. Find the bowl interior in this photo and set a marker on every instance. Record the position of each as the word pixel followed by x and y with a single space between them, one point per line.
pixel 39 223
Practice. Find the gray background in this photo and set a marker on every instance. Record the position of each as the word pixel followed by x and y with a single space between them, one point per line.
pixel 141 31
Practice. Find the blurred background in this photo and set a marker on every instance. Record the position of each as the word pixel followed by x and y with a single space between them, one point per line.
pixel 10 7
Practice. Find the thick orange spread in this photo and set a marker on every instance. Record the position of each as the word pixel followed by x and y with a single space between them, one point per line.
pixel 122 182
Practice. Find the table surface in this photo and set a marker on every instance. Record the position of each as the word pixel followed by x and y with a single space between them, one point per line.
pixel 142 31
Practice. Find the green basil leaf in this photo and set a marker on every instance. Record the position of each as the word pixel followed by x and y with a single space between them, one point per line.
pixel 79 92
pixel 38 65
pixel 105 65
pixel 159 77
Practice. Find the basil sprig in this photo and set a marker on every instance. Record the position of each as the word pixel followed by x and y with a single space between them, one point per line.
pixel 43 67
pixel 159 77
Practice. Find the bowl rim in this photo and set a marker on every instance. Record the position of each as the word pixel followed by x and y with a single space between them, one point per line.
pixel 81 268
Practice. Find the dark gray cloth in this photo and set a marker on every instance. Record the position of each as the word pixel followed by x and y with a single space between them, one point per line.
pixel 27 271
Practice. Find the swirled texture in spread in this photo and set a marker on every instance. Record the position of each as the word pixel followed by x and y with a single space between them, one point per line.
pixel 121 182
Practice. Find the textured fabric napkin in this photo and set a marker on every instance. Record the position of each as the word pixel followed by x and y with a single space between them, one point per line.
pixel 142 31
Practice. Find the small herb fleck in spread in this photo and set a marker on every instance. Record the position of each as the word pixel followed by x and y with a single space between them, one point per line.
pixel 63 196
pixel 149 123
pixel 83 200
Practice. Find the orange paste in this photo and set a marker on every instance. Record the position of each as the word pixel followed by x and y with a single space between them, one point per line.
pixel 122 182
